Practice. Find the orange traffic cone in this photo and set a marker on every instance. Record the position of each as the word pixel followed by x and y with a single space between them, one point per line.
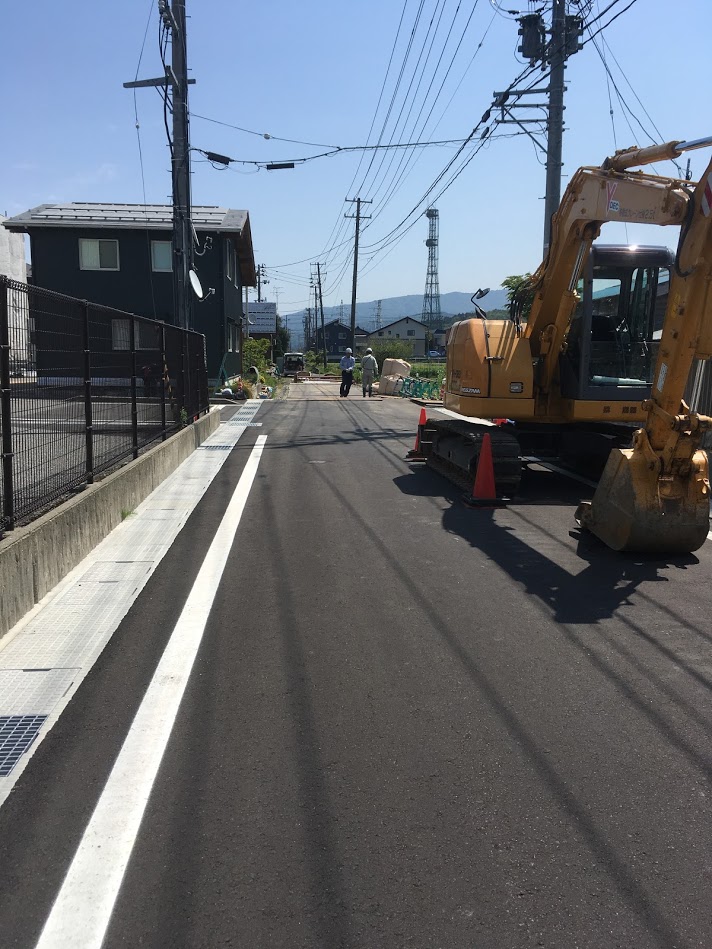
pixel 484 491
pixel 415 452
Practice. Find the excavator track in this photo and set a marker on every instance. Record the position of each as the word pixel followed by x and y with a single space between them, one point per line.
pixel 452 447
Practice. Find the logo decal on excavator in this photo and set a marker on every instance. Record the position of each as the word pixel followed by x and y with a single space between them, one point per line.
pixel 707 197
pixel 611 187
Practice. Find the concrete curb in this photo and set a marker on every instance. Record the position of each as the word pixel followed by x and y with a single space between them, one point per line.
pixel 35 558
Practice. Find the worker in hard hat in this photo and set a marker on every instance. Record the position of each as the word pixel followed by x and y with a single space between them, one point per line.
pixel 369 371
pixel 347 373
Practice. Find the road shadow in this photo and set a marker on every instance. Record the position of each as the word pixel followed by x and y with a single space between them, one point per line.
pixel 594 593
pixel 660 929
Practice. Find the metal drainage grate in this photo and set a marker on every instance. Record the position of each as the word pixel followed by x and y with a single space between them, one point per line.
pixel 216 447
pixel 17 732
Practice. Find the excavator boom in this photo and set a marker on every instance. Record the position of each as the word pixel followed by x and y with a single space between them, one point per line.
pixel 655 496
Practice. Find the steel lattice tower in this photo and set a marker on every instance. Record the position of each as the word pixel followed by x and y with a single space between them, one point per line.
pixel 431 298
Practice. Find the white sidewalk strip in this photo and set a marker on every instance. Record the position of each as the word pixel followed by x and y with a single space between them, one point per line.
pixel 83 908
pixel 70 628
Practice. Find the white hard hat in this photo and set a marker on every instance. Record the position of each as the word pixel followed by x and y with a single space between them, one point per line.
pixel 369 350
pixel 348 350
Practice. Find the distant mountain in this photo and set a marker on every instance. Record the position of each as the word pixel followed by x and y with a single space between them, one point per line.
pixel 394 308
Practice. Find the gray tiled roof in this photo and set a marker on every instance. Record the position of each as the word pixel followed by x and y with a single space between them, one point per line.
pixel 157 216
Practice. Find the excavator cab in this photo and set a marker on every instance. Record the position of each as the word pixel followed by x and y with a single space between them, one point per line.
pixel 614 336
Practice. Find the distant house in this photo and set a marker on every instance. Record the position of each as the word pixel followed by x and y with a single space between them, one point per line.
pixel 439 338
pixel 338 337
pixel 408 329
pixel 120 255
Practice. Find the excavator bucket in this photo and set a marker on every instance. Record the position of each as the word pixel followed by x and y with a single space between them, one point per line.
pixel 635 509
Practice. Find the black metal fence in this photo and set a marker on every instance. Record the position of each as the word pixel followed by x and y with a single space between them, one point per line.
pixel 83 388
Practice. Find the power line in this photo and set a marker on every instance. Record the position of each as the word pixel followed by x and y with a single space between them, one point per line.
pixel 336 150
pixel 441 9
pixel 402 171
pixel 652 122
pixel 438 179
pixel 623 103
pixel 395 90
pixel 602 13
pixel 606 25
pixel 430 86
pixel 398 175
pixel 264 135
pixel 340 219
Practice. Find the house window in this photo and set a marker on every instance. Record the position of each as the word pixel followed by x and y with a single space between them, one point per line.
pixel 98 254
pixel 380 333
pixel 147 335
pixel 411 332
pixel 231 336
pixel 161 256
pixel 342 335
pixel 397 335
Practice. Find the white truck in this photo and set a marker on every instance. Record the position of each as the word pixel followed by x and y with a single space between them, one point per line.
pixel 293 363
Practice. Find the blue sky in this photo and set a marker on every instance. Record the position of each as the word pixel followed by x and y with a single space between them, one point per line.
pixel 313 72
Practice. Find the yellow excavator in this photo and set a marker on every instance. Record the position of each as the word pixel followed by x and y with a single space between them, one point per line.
pixel 595 376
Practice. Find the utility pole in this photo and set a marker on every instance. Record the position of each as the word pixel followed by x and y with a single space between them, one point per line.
pixel 176 79
pixel 261 278
pixel 316 316
pixel 564 40
pixel 321 308
pixel 182 226
pixel 557 62
pixel 358 202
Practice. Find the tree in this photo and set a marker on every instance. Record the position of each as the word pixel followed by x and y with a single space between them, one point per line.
pixel 255 353
pixel 392 349
pixel 314 361
pixel 520 294
pixel 281 339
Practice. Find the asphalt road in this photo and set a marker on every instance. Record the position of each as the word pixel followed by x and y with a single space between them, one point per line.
pixel 409 724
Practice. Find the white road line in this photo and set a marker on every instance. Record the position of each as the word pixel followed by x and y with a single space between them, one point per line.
pixel 81 913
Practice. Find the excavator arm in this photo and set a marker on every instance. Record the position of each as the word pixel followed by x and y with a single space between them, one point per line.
pixel 654 497
pixel 593 197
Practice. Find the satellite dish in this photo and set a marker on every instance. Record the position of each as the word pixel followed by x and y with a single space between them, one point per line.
pixel 196 284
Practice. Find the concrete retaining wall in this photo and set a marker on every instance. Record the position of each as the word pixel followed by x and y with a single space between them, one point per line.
pixel 35 558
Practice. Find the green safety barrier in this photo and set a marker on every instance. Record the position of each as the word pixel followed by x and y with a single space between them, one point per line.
pixel 420 388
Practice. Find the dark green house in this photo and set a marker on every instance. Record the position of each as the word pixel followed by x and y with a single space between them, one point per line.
pixel 120 255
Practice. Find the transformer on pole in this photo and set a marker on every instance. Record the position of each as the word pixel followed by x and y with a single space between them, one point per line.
pixel 431 298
